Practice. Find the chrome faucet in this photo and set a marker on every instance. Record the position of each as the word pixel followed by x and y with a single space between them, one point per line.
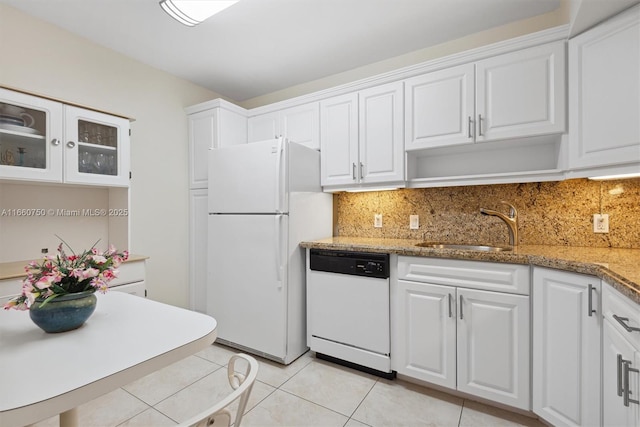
pixel 511 220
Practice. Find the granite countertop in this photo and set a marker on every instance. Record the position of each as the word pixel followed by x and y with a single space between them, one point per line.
pixel 618 267
pixel 15 269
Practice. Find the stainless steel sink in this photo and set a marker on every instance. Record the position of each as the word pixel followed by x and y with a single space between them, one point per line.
pixel 482 248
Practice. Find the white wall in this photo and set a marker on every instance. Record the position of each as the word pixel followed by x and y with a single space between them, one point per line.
pixel 552 19
pixel 44 59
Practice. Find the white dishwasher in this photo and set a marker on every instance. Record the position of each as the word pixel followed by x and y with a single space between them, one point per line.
pixel 348 309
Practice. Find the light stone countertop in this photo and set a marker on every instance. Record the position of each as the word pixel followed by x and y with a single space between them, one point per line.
pixel 15 269
pixel 618 267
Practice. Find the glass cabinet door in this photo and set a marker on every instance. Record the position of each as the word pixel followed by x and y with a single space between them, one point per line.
pixel 30 137
pixel 96 148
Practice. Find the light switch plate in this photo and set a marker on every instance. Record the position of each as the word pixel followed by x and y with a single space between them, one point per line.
pixel 414 222
pixel 377 220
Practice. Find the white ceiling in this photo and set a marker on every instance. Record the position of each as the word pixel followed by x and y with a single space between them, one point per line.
pixel 260 46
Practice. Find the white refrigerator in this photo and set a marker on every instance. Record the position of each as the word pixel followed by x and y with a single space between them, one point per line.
pixel 264 198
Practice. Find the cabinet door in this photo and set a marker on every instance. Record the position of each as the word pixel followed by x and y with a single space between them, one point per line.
pixel 616 351
pixel 264 127
pixel 493 346
pixel 381 130
pixel 198 218
pixel 30 138
pixel 301 124
pixel 439 108
pixel 521 93
pixel 566 347
pixel 339 140
pixel 604 93
pixel 424 332
pixel 96 148
pixel 202 130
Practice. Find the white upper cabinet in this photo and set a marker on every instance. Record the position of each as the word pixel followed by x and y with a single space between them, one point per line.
pixel 96 148
pixel 361 140
pixel 47 141
pixel 263 127
pixel 212 125
pixel 514 95
pixel 439 108
pixel 521 94
pixel 300 124
pixel 604 95
pixel 339 143
pixel 30 138
pixel 380 124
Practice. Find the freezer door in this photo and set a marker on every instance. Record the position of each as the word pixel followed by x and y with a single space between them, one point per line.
pixel 247 283
pixel 248 178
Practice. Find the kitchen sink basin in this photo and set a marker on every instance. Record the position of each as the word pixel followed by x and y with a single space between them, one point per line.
pixel 482 248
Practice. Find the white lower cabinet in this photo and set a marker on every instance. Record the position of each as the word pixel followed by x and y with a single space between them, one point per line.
pixel 198 246
pixel 454 325
pixel 620 360
pixel 567 324
pixel 131 278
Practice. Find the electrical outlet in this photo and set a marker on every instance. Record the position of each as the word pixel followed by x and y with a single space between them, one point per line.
pixel 414 222
pixel 377 220
pixel 600 223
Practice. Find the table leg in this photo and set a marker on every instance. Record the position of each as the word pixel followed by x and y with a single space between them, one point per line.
pixel 69 418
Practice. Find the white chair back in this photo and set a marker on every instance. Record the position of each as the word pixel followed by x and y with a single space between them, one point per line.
pixel 242 383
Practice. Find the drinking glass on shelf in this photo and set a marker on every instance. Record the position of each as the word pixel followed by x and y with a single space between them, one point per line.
pixel 85 162
pixel 112 165
pixel 100 163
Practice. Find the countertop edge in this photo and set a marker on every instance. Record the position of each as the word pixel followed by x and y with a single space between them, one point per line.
pixel 622 284
pixel 16 268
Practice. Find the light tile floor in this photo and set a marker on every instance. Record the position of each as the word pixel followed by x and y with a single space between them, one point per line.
pixel 308 392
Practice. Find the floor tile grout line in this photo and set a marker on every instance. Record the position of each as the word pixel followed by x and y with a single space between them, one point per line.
pixel 317 404
pixel 361 402
pixel 461 410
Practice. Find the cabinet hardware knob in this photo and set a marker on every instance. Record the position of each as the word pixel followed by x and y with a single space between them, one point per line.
pixel 55 141
pixel 480 125
pixel 361 170
pixel 461 316
pixel 353 171
pixel 71 144
pixel 450 301
pixel 469 125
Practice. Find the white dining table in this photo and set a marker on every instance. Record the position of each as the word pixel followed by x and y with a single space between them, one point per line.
pixel 126 338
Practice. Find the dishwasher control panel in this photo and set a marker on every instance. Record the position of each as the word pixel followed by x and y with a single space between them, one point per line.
pixel 347 262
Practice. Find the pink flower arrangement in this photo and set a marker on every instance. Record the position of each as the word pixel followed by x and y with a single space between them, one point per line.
pixel 63 274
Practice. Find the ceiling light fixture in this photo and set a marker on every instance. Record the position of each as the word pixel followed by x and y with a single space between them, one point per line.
pixel 193 12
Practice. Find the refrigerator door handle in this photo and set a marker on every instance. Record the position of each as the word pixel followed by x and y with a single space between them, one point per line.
pixel 278 255
pixel 279 152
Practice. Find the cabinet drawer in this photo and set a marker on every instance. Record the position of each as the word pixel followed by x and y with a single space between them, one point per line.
pixel 614 303
pixel 132 271
pixel 511 278
pixel 138 289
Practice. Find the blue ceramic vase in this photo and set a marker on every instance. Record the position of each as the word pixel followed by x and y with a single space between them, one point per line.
pixel 63 313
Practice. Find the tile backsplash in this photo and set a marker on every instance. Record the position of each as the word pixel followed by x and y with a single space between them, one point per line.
pixel 550 213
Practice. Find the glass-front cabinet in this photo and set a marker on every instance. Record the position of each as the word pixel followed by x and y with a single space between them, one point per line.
pixel 96 148
pixel 30 132
pixel 47 141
